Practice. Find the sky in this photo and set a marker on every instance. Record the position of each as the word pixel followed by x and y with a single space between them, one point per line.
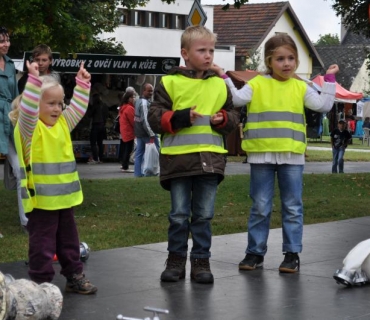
pixel 316 16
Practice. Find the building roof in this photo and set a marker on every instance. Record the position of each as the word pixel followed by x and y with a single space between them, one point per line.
pixel 248 26
pixel 351 38
pixel 349 55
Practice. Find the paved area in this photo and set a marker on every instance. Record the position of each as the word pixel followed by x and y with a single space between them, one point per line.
pixel 128 278
pixel 112 170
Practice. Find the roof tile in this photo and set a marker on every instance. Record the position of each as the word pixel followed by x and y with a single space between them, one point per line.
pixel 246 26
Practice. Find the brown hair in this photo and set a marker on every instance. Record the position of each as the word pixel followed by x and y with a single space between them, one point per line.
pixel 277 41
pixel 42 49
pixel 128 94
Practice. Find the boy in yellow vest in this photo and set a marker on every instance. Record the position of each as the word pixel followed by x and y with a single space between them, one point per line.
pixel 192 110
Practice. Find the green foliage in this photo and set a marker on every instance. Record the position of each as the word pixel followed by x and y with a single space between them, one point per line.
pixel 354 13
pixel 108 46
pixel 328 40
pixel 66 26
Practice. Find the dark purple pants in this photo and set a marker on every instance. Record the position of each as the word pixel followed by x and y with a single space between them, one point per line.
pixel 52 232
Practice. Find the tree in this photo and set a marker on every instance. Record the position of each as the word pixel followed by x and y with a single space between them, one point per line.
pixel 328 40
pixel 66 26
pixel 355 14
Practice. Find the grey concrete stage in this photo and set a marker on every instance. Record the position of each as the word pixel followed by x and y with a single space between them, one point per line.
pixel 128 280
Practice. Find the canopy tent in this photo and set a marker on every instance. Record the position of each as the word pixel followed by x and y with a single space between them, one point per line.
pixel 342 95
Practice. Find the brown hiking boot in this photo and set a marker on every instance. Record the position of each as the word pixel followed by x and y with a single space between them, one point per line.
pixel 175 268
pixel 201 270
pixel 79 284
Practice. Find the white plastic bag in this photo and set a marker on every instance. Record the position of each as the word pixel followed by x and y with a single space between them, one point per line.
pixel 150 164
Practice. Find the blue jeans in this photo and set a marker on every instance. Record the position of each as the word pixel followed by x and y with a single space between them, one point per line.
pixel 192 201
pixel 338 160
pixel 139 153
pixel 290 181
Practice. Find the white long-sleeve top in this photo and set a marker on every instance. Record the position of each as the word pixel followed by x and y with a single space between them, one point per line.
pixel 312 100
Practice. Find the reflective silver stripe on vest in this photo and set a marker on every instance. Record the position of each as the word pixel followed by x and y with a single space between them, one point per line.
pixel 57 189
pixel 23 173
pixel 54 168
pixel 276 116
pixel 24 193
pixel 191 139
pixel 274 133
pixel 205 121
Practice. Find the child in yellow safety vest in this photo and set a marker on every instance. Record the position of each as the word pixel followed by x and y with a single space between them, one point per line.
pixel 50 182
pixel 275 142
pixel 192 109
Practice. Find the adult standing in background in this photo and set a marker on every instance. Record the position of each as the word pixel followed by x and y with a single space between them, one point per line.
pixel 8 92
pixel 144 134
pixel 98 112
pixel 126 121
pixel 43 56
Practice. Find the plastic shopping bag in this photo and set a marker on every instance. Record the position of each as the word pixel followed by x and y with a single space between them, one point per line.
pixel 150 165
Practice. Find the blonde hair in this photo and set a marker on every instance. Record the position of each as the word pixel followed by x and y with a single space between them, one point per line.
pixel 277 41
pixel 14 113
pixel 195 33
pixel 48 82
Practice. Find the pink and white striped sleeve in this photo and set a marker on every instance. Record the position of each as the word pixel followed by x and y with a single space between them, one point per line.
pixel 79 103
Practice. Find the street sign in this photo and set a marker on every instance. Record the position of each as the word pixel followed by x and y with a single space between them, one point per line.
pixel 197 16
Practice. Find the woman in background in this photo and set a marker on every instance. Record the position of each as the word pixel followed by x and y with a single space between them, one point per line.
pixel 8 92
pixel 126 121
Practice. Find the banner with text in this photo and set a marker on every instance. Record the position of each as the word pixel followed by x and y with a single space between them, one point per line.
pixel 109 64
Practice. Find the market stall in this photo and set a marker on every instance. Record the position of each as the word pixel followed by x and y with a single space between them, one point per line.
pixel 345 107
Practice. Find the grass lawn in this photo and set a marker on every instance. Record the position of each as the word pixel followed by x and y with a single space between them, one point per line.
pixel 125 212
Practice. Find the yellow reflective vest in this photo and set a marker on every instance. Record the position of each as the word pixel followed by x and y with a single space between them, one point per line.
pixel 50 181
pixel 276 120
pixel 208 95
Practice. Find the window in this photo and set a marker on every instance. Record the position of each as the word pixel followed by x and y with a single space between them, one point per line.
pixel 180 22
pixel 166 23
pixel 153 20
pixel 139 18
pixel 124 17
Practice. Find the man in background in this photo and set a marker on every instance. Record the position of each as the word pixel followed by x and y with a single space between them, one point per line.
pixel 143 132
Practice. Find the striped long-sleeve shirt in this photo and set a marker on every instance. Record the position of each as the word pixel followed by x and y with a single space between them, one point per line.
pixel 29 110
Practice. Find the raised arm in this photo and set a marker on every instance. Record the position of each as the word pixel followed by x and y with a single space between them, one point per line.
pixel 80 100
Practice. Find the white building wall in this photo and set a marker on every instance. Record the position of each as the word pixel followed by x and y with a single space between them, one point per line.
pixel 162 42
pixel 361 81
pixel 285 24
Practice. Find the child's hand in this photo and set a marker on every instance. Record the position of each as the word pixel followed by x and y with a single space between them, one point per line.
pixel 83 75
pixel 194 115
pixel 217 69
pixel 333 69
pixel 217 118
pixel 33 68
